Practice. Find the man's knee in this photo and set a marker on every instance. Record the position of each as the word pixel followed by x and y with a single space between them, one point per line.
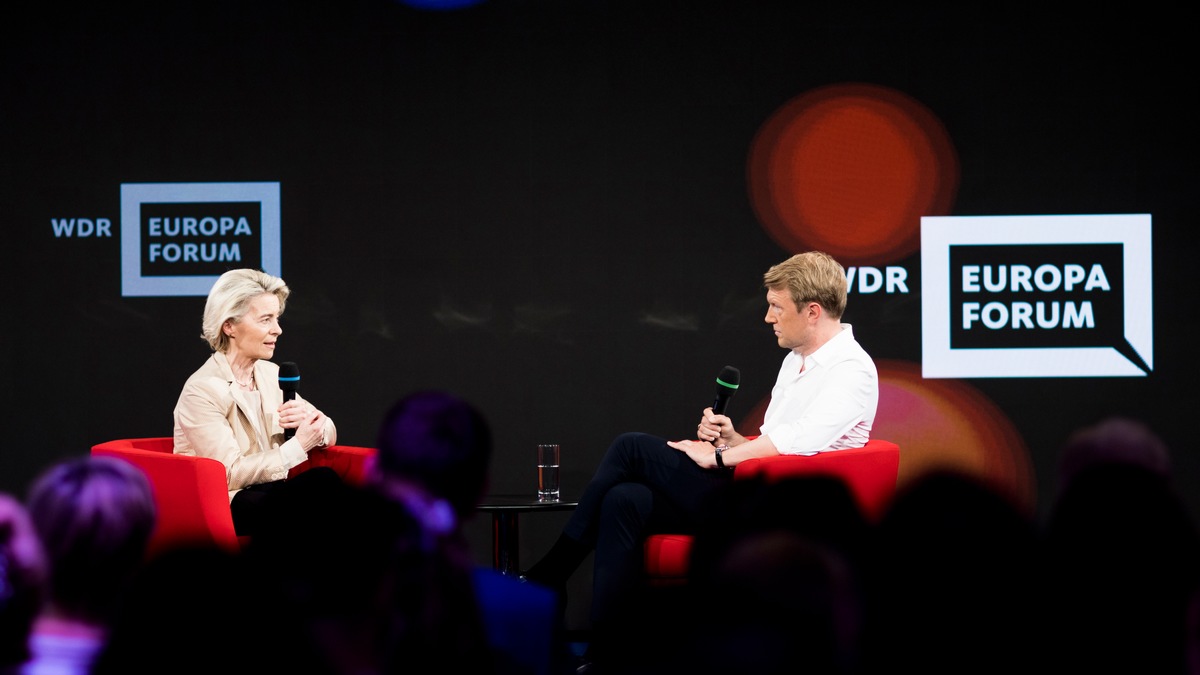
pixel 628 500
pixel 628 437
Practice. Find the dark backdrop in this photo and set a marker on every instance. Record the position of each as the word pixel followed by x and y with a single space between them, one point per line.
pixel 543 206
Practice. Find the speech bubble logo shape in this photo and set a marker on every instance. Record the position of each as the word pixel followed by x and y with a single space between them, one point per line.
pixel 1036 296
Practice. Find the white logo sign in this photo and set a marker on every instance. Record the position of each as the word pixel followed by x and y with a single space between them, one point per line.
pixel 177 238
pixel 1036 296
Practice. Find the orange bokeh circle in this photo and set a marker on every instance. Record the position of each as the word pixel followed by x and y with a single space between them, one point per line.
pixel 948 424
pixel 849 169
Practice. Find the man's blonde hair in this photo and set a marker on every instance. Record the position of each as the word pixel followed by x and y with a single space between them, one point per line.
pixel 811 277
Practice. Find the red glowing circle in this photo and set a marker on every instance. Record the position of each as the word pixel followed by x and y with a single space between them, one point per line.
pixel 849 169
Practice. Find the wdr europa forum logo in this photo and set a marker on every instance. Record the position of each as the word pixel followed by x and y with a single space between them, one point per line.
pixel 1036 296
pixel 177 238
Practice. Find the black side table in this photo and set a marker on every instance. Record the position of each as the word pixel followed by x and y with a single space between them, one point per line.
pixel 505 510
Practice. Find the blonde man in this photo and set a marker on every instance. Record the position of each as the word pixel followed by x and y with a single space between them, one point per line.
pixel 824 399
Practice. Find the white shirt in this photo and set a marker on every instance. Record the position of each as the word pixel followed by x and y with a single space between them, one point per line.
pixel 829 405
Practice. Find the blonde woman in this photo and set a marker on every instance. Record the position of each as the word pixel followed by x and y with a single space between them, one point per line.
pixel 232 409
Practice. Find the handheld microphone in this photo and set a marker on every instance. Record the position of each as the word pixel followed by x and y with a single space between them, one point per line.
pixel 727 385
pixel 289 381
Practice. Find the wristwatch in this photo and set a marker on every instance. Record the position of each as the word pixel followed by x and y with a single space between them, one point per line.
pixel 721 460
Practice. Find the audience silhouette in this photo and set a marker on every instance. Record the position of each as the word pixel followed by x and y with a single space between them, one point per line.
pixel 199 610
pixel 1124 554
pixel 23 572
pixel 955 580
pixel 785 576
pixel 434 453
pixel 380 585
pixel 775 580
pixel 94 516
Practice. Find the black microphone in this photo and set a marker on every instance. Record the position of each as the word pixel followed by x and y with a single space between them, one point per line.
pixel 289 381
pixel 727 385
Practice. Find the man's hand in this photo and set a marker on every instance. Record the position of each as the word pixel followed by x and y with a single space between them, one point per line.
pixel 702 453
pixel 717 429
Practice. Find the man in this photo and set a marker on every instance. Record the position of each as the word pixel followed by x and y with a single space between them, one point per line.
pixel 824 399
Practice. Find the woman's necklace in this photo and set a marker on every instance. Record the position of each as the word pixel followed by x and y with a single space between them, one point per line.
pixel 245 384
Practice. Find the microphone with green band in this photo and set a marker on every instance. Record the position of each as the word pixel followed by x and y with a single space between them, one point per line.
pixel 727 385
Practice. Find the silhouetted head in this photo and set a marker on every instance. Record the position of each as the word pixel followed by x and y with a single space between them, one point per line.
pixel 1115 440
pixel 95 516
pixel 439 442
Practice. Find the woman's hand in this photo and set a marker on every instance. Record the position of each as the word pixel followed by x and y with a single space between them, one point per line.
pixel 308 422
pixel 311 432
pixel 295 412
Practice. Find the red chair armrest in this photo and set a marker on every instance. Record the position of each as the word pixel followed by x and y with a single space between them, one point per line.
pixel 870 471
pixel 191 494
pixel 351 462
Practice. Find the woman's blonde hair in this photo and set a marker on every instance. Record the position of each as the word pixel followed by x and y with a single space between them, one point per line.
pixel 230 298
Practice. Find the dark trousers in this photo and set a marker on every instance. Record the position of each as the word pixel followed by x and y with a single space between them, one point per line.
pixel 642 486
pixel 253 505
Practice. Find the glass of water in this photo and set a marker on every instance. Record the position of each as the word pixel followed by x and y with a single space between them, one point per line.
pixel 547 471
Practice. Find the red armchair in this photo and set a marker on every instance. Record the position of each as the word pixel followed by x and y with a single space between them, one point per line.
pixel 192 494
pixel 869 472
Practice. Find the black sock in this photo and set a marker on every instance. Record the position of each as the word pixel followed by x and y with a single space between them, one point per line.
pixel 559 563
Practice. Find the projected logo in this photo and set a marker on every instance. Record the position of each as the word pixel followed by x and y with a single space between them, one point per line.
pixel 1036 296
pixel 177 238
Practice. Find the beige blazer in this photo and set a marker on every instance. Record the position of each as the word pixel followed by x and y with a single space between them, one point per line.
pixel 215 418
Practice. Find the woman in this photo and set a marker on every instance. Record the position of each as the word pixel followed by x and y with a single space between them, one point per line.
pixel 232 409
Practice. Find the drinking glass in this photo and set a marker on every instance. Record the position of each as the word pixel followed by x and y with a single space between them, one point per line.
pixel 547 471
